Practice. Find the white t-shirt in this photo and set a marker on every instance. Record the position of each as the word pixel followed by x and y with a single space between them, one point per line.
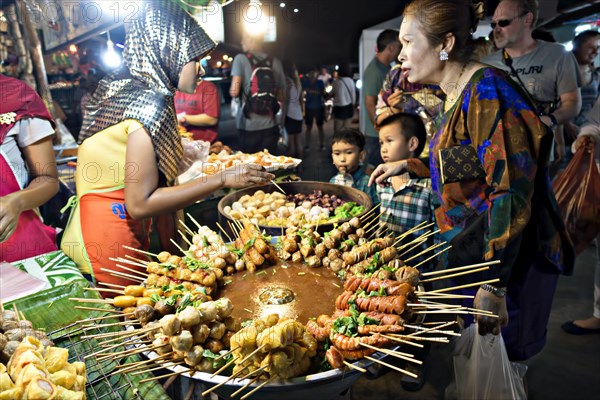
pixel 344 92
pixel 294 109
pixel 24 133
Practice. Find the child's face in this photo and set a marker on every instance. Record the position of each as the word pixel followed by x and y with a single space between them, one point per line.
pixel 346 156
pixel 394 146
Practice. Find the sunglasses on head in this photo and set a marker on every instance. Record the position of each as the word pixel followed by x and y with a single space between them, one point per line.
pixel 503 23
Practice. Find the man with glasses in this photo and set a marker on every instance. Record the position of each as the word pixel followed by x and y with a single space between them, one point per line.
pixel 546 70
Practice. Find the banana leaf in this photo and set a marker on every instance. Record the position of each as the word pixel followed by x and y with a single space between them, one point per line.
pixel 51 309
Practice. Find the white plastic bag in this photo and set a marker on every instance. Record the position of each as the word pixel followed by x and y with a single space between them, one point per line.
pixel 235 106
pixel 483 371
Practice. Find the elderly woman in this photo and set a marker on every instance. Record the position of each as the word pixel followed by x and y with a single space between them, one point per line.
pixel 508 213
pixel 130 146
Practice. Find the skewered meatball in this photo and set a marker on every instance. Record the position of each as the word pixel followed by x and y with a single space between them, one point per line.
pixel 409 275
pixel 144 313
pixel 161 344
pixel 208 311
pixel 200 333
pixel 214 345
pixel 170 325
pixel 194 356
pixel 224 306
pixel 189 317
pixel 217 330
pixel 182 342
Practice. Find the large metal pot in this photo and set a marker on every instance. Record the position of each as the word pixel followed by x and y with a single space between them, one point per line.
pixel 344 192
pixel 328 385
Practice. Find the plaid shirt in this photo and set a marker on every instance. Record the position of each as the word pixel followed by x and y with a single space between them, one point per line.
pixel 406 208
pixel 361 182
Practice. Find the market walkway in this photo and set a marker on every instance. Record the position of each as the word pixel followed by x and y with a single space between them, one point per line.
pixel 568 366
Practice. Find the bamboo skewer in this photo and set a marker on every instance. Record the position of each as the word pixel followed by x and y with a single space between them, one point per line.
pixel 99 309
pixel 90 327
pixel 187 229
pixel 224 367
pixel 165 376
pixel 250 355
pixel 240 390
pixel 123 338
pixel 435 329
pixel 140 251
pixel 126 261
pixel 408 342
pixel 207 391
pixel 422 338
pixel 233 229
pixel 104 350
pixel 184 238
pixel 134 271
pixel 227 353
pixel 454 275
pixel 81 321
pixel 84 300
pixel 258 371
pixel 465 286
pixel 432 257
pixel 123 368
pixel 278 187
pixel 225 232
pixel 352 366
pixel 393 353
pixel 445 271
pixel 124 275
pixel 244 397
pixel 427 250
pixel 422 226
pixel 143 263
pixel 103 290
pixel 414 246
pixel 392 367
pixel 161 366
pixel 193 220
pixel 178 246
pixel 122 334
pixel 112 285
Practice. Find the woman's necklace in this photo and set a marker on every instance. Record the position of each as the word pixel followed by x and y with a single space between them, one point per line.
pixel 458 89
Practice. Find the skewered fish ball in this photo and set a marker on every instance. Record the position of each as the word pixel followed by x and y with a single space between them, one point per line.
pixel 161 344
pixel 170 325
pixel 208 311
pixel 217 330
pixel 194 356
pixel 214 345
pixel 189 317
pixel 224 307
pixel 200 333
pixel 182 342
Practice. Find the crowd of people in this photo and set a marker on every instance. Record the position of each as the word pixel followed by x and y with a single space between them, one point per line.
pixel 517 103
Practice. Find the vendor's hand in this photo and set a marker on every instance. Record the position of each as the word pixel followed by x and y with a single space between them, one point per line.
pixel 243 175
pixel 487 301
pixel 181 120
pixel 9 216
pixel 560 153
pixel 192 151
pixel 580 141
pixel 384 171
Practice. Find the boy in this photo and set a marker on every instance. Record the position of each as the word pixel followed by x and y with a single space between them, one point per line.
pixel 405 202
pixel 348 153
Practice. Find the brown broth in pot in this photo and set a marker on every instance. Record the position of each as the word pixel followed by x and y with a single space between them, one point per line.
pixel 292 290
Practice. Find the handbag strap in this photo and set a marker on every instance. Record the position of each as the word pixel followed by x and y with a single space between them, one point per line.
pixel 348 89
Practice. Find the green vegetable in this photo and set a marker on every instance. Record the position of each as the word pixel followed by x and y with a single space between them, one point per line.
pixel 194 264
pixel 168 266
pixel 186 301
pixel 155 298
pixel 249 244
pixel 220 362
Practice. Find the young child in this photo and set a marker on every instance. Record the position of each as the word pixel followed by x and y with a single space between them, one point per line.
pixel 348 153
pixel 405 202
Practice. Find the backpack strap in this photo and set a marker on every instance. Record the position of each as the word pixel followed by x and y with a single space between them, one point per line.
pixel 256 62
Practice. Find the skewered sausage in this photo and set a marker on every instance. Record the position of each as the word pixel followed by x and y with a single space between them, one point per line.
pixel 334 358
pixel 392 288
pixel 369 329
pixel 344 342
pixel 387 304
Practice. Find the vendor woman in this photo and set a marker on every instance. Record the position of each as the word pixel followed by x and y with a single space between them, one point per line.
pixel 28 175
pixel 130 147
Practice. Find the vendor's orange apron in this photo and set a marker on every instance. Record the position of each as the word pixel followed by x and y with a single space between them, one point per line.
pixel 31 237
pixel 118 229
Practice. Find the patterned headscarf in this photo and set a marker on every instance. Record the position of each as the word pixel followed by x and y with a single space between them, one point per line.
pixel 158 45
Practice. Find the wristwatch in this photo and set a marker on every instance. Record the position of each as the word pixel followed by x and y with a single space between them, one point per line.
pixel 553 120
pixel 499 292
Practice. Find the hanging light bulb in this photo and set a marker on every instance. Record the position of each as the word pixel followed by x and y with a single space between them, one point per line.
pixel 111 58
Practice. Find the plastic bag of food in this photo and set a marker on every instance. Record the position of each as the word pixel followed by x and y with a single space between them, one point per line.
pixel 578 195
pixel 482 369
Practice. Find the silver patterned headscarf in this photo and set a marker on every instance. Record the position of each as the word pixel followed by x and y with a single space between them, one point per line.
pixel 158 45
